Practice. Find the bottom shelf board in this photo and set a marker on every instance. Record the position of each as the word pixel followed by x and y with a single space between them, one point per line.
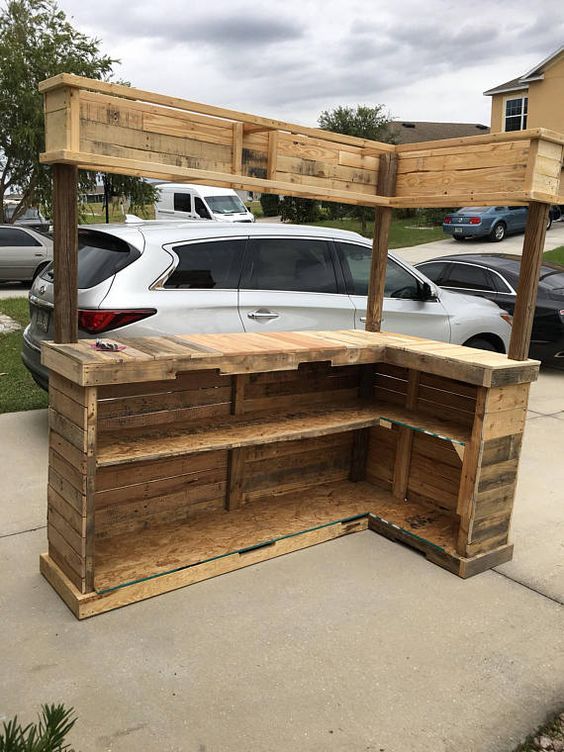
pixel 127 559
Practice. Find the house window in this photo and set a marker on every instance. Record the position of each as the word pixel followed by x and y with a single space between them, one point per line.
pixel 516 114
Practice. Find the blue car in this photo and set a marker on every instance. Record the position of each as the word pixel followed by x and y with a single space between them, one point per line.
pixel 493 222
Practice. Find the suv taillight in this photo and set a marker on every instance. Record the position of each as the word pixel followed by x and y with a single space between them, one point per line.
pixel 96 322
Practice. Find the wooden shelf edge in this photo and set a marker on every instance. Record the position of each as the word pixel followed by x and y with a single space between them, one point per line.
pixel 370 417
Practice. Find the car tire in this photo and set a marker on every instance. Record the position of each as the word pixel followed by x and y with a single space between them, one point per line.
pixel 549 223
pixel 480 343
pixel 498 232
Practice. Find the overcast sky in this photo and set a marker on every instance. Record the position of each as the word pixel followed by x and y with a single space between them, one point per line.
pixel 423 60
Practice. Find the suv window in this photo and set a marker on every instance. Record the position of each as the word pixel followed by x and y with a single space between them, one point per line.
pixel 11 237
pixel 99 257
pixel 468 277
pixel 211 265
pixel 292 264
pixel 182 202
pixel 356 259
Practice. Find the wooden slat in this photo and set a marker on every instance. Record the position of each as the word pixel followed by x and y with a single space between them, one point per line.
pixel 531 260
pixel 65 252
pixel 387 175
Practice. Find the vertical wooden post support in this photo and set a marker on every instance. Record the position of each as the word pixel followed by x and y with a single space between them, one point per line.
pixel 65 250
pixel 531 261
pixel 272 163
pixel 237 457
pixel 237 153
pixel 387 172
pixel 405 441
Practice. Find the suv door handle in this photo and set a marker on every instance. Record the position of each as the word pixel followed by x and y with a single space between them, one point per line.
pixel 363 319
pixel 263 314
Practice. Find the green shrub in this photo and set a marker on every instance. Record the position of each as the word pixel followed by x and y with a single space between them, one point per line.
pixel 47 735
pixel 270 204
pixel 300 211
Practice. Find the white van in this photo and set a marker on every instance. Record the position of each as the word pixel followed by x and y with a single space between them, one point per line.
pixel 187 201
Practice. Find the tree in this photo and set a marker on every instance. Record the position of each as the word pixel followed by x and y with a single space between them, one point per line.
pixel 364 122
pixel 37 42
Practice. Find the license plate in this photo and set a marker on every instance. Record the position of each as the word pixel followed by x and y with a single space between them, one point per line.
pixel 458 229
pixel 41 318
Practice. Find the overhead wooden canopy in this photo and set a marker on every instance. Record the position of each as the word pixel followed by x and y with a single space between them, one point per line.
pixel 113 128
pixel 107 127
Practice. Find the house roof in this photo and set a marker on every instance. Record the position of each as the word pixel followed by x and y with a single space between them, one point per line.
pixel 522 82
pixel 411 131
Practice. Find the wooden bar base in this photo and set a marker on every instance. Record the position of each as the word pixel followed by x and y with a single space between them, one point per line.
pixel 84 605
pixel 242 448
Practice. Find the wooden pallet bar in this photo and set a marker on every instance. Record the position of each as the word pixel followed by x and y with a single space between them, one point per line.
pixel 252 445
pixel 176 459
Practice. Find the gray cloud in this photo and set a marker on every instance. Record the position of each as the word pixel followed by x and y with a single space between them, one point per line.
pixel 228 31
pixel 293 60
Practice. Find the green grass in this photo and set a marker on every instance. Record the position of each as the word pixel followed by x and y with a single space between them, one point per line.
pixel 18 391
pixel 96 214
pixel 556 255
pixel 403 232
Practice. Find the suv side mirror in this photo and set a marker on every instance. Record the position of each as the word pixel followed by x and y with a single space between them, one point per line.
pixel 426 291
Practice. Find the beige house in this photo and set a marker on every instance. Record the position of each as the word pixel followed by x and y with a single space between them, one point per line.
pixel 535 100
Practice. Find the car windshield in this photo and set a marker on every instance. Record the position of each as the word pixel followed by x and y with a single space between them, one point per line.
pixel 225 204
pixel 28 214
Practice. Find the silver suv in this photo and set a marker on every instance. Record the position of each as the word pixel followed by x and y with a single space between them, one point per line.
pixel 160 278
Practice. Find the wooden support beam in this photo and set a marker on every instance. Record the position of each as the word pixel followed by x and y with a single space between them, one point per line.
pixel 359 454
pixel 237 155
pixel 272 163
pixel 387 173
pixel 65 251
pixel 405 441
pixel 531 261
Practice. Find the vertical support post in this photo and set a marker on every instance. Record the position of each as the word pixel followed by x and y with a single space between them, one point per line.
pixel 531 261
pixel 272 163
pixel 387 172
pixel 405 441
pixel 237 153
pixel 237 457
pixel 65 250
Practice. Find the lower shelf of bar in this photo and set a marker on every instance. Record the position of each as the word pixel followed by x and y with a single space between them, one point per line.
pixel 126 559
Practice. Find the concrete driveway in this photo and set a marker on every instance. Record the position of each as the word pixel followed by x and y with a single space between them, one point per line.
pixel 354 645
pixel 512 244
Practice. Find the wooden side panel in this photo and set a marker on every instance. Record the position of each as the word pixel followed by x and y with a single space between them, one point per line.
pixel 276 469
pixel 72 447
pixel 546 171
pixel 434 472
pixel 486 498
pixel 148 494
pixel 462 170
pixel 382 448
pixel 190 398
pixel 115 127
pixel 311 386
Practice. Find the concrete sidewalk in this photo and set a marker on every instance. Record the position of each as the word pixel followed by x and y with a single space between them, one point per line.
pixel 354 645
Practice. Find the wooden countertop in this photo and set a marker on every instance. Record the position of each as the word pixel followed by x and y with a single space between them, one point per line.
pixel 161 358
